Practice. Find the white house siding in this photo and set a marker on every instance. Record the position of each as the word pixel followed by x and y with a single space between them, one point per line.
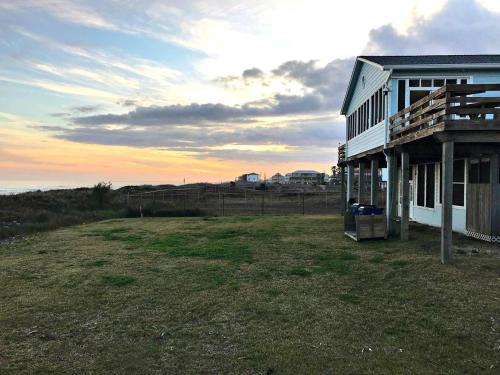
pixel 375 78
pixel 369 139
pixel 432 217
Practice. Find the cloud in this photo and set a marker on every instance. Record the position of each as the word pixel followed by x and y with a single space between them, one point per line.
pixel 460 27
pixel 252 73
pixel 323 89
pixel 127 102
pixel 329 81
pixel 73 12
pixel 208 141
pixel 279 105
pixel 87 108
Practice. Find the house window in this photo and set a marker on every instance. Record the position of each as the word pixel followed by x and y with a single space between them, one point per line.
pixel 458 183
pixel 430 182
pixel 439 82
pixel 426 83
pixel 401 94
pixel 411 90
pixel 421 185
pixel 426 180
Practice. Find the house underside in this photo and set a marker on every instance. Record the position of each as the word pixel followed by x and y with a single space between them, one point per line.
pixel 442 157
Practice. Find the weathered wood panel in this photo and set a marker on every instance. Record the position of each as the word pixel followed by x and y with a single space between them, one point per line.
pixel 479 208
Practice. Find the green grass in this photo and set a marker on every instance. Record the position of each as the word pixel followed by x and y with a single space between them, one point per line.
pixel 119 280
pixel 245 295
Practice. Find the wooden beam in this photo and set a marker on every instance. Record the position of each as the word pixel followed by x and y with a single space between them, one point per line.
pixel 405 196
pixel 468 137
pixel 374 182
pixel 361 181
pixel 447 203
pixel 370 153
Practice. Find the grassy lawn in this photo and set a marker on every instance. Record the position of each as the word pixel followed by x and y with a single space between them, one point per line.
pixel 264 295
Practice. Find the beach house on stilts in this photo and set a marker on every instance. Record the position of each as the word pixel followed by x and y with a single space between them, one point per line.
pixel 434 122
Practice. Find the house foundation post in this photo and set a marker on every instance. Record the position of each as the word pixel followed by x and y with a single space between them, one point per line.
pixel 405 196
pixel 374 182
pixel 391 193
pixel 361 181
pixel 447 202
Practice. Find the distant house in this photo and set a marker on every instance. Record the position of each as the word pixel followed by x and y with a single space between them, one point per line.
pixel 278 178
pixel 249 177
pixel 307 177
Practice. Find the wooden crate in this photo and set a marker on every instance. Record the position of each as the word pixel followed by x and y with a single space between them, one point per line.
pixel 367 227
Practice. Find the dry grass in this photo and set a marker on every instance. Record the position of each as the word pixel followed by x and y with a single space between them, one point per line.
pixel 244 295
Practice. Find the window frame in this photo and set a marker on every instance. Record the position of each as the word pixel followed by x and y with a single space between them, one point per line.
pixel 464 183
pixel 417 187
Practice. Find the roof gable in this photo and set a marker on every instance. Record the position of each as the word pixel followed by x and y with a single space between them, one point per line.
pixel 417 62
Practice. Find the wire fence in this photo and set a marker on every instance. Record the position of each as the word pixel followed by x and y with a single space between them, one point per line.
pixel 226 202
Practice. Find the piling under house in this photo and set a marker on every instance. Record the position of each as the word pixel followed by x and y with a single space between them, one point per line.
pixel 434 123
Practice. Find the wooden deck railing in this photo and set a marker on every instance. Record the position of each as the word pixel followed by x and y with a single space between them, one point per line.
pixel 453 107
pixel 341 156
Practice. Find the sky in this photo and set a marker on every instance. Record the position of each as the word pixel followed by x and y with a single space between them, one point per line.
pixel 150 92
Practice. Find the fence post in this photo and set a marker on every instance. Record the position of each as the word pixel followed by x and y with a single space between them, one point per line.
pixel 326 199
pixel 223 206
pixel 262 204
pixel 128 199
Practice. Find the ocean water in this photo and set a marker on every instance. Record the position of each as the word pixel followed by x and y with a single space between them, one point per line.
pixel 7 190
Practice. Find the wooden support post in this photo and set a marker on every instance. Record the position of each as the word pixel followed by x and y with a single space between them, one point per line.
pixel 361 181
pixel 495 194
pixel 350 182
pixel 405 196
pixel 447 204
pixel 391 194
pixel 374 182
pixel 343 198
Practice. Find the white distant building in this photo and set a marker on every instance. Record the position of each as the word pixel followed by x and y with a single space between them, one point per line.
pixel 278 178
pixel 249 177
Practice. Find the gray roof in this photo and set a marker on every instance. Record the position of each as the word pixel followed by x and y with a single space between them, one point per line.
pixel 433 59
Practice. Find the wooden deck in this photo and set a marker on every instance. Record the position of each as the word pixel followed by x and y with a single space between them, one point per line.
pixel 452 111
